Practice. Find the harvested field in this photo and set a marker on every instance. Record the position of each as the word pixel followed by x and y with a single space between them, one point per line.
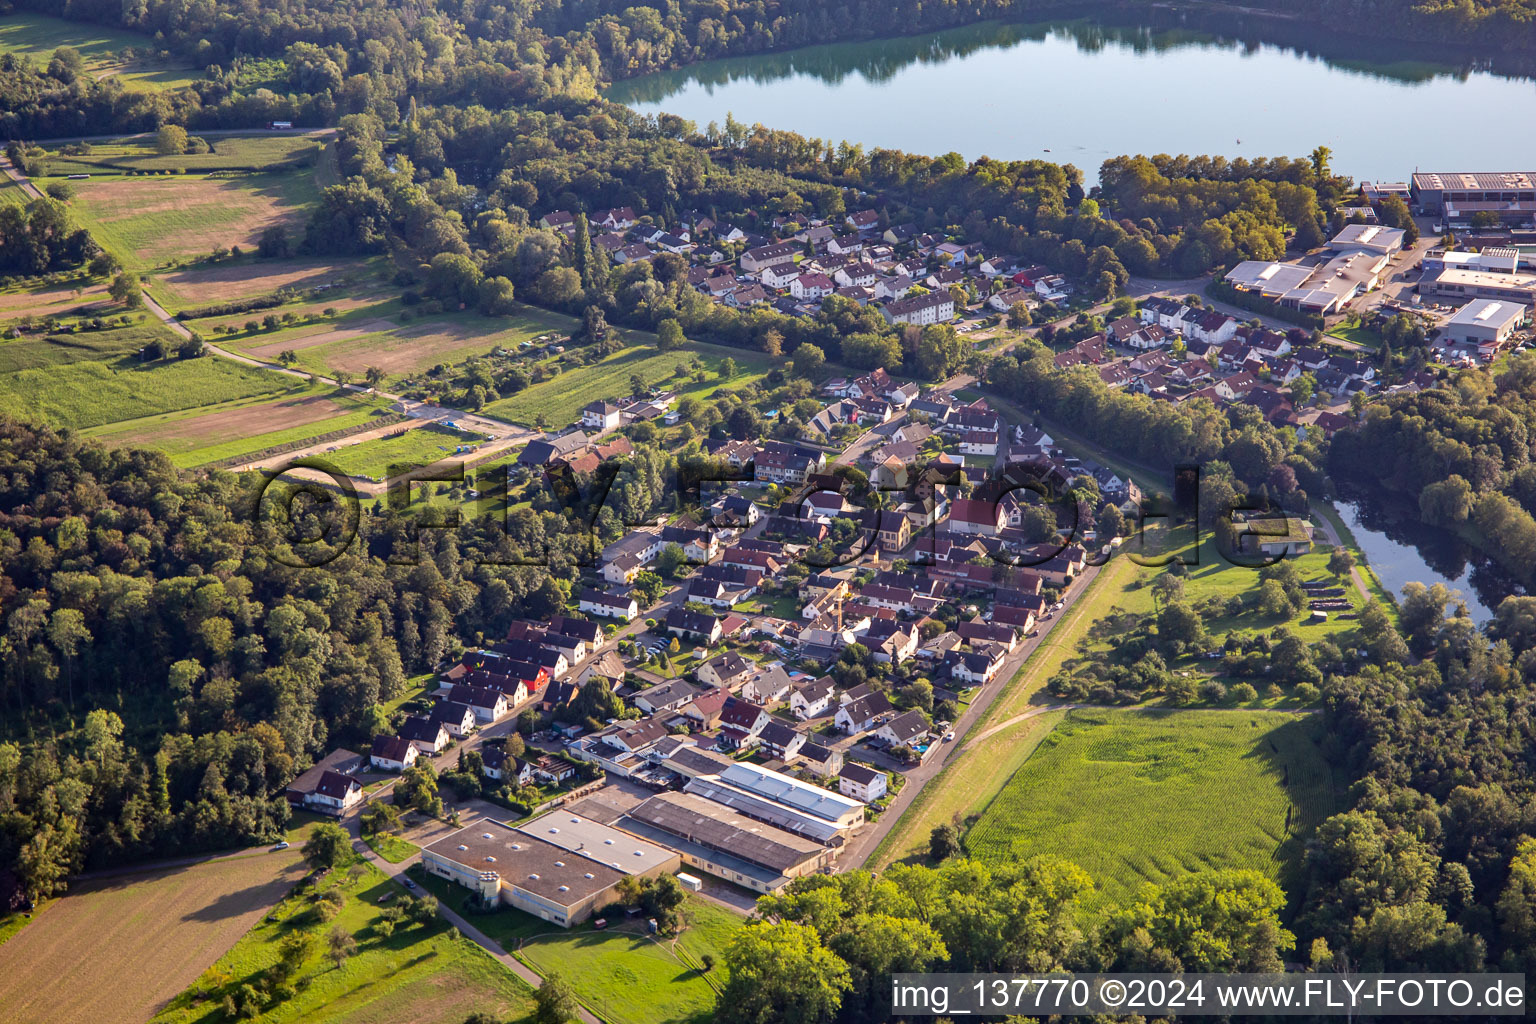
pixel 57 301
pixel 416 347
pixel 205 286
pixel 119 949
pixel 230 424
pixel 315 335
pixel 146 221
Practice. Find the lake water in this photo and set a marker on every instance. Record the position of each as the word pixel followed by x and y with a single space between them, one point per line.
pixel 1079 92
pixel 1402 550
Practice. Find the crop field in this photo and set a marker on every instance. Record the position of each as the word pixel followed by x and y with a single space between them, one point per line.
pixel 1141 795
pixel 92 393
pixel 147 221
pixel 417 973
pixel 372 459
pixel 190 287
pixel 37 36
pixel 33 351
pixel 116 950
pixel 560 398
pixel 210 435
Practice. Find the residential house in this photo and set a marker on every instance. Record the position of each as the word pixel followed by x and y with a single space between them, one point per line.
pixel 458 719
pixel 845 244
pixel 393 753
pixel 779 462
pixel 693 625
pixel 977 667
pixel 781 741
pixel 487 704
pixel 754 260
pixel 976 516
pixel 861 783
pixel 428 736
pixel 768 686
pixel 611 606
pixel 811 287
pixel 600 416
pixel 860 715
pixel 779 275
pixel 665 697
pixel 727 670
pixel 335 793
pixel 905 730
pixel 741 722
pixel 812 699
pixel 821 760
pixel 921 310
pixel 305 790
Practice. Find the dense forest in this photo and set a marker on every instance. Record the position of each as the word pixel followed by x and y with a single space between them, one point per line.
pixel 193 658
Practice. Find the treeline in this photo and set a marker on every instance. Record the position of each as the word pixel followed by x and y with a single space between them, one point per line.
pixel 1435 867
pixel 824 948
pixel 37 238
pixel 1238 452
pixel 1462 452
pixel 167 664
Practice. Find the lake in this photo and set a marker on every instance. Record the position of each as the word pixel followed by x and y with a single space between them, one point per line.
pixel 1401 549
pixel 1081 91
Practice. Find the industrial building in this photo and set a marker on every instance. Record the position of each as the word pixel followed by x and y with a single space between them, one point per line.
pixel 727 844
pixel 559 867
pixel 780 800
pixel 1368 238
pixel 1484 323
pixel 1320 290
pixel 1456 197
pixel 1458 284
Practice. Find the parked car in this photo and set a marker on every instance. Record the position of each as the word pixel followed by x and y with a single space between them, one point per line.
pixel 408 883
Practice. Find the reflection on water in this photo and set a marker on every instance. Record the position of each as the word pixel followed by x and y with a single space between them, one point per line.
pixel 1402 550
pixel 1081 91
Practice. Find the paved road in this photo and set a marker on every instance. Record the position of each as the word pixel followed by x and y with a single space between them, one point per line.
pixel 21 179
pixel 864 844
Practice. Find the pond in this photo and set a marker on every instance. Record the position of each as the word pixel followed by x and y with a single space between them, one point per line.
pixel 1401 550
pixel 1084 90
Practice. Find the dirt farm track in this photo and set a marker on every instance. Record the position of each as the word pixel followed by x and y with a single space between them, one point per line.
pixel 115 950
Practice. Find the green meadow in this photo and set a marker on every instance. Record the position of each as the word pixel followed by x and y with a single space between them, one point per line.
pixel 561 398
pixel 1145 795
